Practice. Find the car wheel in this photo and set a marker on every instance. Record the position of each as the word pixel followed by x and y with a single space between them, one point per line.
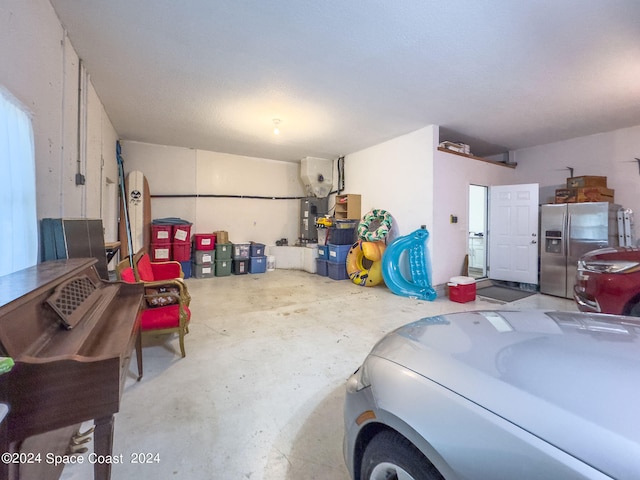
pixel 390 456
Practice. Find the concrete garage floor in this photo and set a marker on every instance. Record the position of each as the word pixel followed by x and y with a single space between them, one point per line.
pixel 259 394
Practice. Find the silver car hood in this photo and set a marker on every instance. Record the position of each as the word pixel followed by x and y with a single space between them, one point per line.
pixel 571 379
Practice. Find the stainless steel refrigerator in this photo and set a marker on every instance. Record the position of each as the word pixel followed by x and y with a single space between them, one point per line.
pixel 568 231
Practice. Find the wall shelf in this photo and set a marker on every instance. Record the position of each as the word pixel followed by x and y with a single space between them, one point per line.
pixel 502 164
pixel 347 207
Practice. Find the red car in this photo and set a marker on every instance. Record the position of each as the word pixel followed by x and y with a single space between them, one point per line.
pixel 608 281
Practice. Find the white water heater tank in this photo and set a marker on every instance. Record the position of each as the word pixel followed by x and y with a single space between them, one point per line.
pixel 317 176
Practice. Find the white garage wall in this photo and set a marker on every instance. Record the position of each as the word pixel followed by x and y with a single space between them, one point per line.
pixel 396 176
pixel 403 175
pixel 420 185
pixel 453 174
pixel 610 154
pixel 202 176
pixel 102 152
pixel 40 68
pixel 32 60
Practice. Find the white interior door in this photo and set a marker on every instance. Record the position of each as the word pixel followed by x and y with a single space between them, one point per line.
pixel 513 233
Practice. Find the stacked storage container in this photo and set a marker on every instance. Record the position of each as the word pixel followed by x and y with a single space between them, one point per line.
pixel 241 257
pixel 223 260
pixel 171 240
pixel 257 258
pixel 339 243
pixel 322 260
pixel 337 261
pixel 342 234
pixel 181 247
pixel 204 255
pixel 161 242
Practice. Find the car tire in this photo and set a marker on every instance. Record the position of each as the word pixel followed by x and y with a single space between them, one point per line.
pixel 391 456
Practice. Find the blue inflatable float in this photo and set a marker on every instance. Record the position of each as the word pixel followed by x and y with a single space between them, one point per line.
pixel 419 285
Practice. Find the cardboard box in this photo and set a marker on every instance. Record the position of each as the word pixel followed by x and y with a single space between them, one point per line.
pixel 565 195
pixel 222 236
pixel 594 194
pixel 586 194
pixel 586 181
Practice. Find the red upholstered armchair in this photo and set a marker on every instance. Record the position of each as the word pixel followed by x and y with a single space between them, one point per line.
pixel 156 274
pixel 166 308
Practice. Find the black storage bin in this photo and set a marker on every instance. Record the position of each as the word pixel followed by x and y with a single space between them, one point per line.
pixel 341 236
pixel 240 267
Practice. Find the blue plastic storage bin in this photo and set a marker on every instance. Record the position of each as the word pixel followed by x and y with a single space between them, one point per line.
pixel 186 268
pixel 323 252
pixel 321 267
pixel 257 249
pixel 258 264
pixel 338 253
pixel 337 271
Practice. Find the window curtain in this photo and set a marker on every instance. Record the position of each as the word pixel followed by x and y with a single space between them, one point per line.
pixel 18 217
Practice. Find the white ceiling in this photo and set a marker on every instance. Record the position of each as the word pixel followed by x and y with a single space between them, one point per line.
pixel 343 75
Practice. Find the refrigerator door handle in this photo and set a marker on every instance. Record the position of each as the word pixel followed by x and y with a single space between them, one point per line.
pixel 567 236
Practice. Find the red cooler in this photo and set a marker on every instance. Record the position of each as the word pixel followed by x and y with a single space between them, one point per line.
pixel 462 289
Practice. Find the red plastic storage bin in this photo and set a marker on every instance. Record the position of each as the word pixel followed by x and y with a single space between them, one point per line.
pixel 161 234
pixel 160 252
pixel 182 233
pixel 181 252
pixel 204 241
pixel 462 289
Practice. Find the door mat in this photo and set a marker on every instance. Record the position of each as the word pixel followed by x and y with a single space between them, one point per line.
pixel 503 294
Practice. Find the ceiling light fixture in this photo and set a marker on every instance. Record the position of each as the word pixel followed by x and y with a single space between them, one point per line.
pixel 276 128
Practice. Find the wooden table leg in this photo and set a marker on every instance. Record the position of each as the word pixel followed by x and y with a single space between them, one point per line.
pixel 103 447
pixel 139 354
